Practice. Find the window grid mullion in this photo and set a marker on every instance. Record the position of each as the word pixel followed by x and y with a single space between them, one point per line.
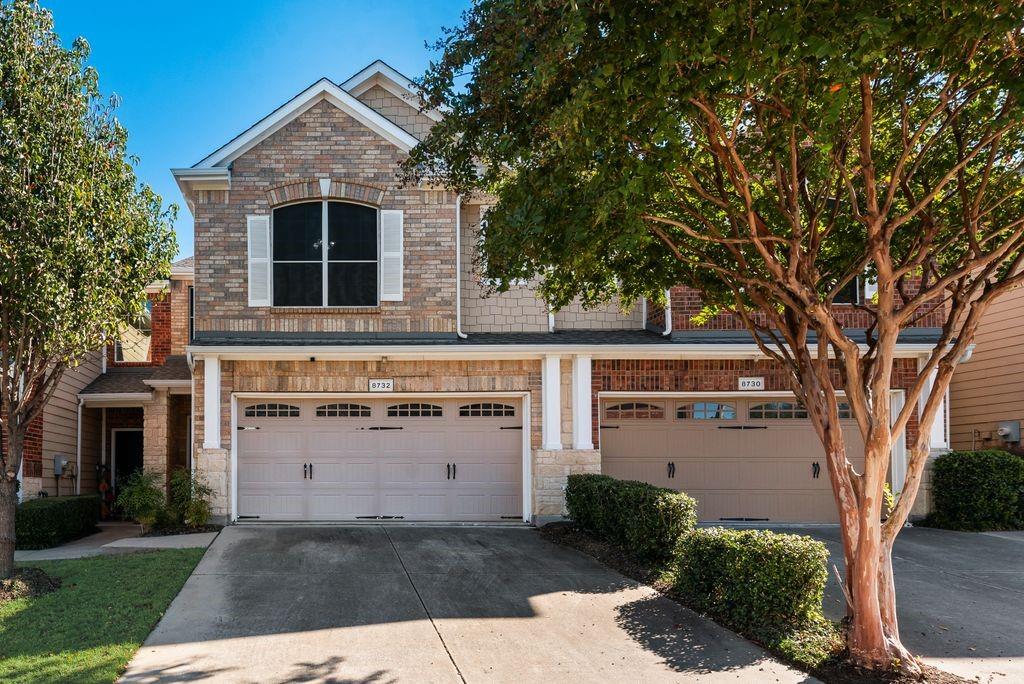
pixel 324 248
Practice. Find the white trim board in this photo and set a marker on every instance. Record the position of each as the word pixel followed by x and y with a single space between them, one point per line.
pixel 524 410
pixel 324 89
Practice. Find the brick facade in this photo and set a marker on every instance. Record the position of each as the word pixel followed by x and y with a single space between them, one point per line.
pixel 178 324
pixel 32 448
pixel 324 142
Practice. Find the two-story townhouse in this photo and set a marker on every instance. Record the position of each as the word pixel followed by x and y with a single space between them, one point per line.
pixel 346 365
pixel 125 407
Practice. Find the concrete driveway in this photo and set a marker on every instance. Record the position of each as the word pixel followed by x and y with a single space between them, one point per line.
pixel 428 604
pixel 960 598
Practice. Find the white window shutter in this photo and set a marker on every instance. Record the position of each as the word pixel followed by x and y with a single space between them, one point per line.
pixel 392 261
pixel 258 230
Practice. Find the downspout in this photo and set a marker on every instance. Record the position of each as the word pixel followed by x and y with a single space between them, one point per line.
pixel 458 267
pixel 78 449
pixel 668 314
pixel 643 313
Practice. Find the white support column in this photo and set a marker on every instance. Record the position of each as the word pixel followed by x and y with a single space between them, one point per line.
pixel 582 434
pixel 551 400
pixel 898 457
pixel 938 437
pixel 211 402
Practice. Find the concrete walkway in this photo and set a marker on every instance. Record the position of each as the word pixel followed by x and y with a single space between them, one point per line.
pixel 115 537
pixel 429 604
pixel 960 598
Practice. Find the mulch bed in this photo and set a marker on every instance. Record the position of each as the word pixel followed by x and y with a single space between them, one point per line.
pixel 834 672
pixel 171 531
pixel 27 583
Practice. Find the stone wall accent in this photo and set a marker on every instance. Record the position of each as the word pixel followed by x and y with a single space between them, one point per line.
pixel 214 467
pixel 156 427
pixel 551 470
pixel 397 111
pixel 324 142
pixel 610 316
pixel 339 189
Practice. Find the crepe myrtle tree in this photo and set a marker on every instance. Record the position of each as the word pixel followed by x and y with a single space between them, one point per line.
pixel 767 154
pixel 79 237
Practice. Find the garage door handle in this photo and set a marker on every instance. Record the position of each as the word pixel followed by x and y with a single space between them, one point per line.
pixel 449 466
pixel 454 466
pixel 671 469
pixel 247 428
pixel 742 427
pixel 517 427
pixel 310 471
pixel 609 427
pixel 384 427
pixel 305 471
pixel 815 470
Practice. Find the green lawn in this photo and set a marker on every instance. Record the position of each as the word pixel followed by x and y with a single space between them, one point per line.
pixel 89 629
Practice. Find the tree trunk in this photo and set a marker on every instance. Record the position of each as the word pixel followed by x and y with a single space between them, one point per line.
pixel 8 501
pixel 873 638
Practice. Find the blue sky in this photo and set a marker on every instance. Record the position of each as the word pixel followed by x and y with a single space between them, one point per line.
pixel 192 75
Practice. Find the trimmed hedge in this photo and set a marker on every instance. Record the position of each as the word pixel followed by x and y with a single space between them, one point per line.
pixel 978 490
pixel 645 520
pixel 764 585
pixel 47 522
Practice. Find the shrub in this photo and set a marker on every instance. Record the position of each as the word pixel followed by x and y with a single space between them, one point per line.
pixel 43 523
pixel 142 499
pixel 190 499
pixel 978 490
pixel 764 585
pixel 646 521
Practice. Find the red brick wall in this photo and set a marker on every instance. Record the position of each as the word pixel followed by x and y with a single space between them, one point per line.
pixel 160 340
pixel 32 454
pixel 687 303
pixel 179 316
pixel 706 375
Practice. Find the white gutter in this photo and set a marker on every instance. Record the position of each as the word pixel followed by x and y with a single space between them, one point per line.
pixel 551 321
pixel 166 384
pixel 495 351
pixel 668 313
pixel 114 396
pixel 643 313
pixel 458 267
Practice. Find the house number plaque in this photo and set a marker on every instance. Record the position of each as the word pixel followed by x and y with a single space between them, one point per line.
pixel 382 384
pixel 751 384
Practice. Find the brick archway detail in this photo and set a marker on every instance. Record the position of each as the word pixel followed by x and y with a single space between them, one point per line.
pixel 339 189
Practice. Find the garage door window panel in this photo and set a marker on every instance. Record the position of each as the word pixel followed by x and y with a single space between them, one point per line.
pixel 487 410
pixel 788 410
pixel 706 410
pixel 414 411
pixel 271 411
pixel 635 410
pixel 343 411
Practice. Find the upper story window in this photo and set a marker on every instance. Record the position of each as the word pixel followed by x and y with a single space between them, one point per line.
pixel 325 254
pixel 132 343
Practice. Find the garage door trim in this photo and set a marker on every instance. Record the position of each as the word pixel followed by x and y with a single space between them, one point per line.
pixel 522 396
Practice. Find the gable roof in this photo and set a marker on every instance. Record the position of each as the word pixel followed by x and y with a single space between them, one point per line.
pixel 322 90
pixel 390 79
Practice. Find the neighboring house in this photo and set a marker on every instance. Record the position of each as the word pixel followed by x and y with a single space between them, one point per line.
pixel 346 364
pixel 986 393
pixel 126 407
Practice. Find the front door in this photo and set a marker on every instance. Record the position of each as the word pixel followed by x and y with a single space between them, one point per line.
pixel 127 457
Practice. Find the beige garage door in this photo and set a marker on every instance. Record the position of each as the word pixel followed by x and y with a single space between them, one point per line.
pixel 742 459
pixel 396 458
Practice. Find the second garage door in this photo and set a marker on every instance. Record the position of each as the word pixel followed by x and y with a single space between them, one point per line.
pixel 742 459
pixel 397 458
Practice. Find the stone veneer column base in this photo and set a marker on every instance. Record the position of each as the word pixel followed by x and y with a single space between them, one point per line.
pixel 30 487
pixel 212 465
pixel 551 470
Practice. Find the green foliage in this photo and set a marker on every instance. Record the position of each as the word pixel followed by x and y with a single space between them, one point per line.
pixel 978 490
pixel 643 519
pixel 90 628
pixel 597 127
pixel 142 498
pixel 80 237
pixel 51 521
pixel 190 499
pixel 764 585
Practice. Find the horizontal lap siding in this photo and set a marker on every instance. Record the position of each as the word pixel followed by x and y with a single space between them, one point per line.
pixel 60 428
pixel 989 387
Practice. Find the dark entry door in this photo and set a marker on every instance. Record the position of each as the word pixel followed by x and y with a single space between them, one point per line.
pixel 127 456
